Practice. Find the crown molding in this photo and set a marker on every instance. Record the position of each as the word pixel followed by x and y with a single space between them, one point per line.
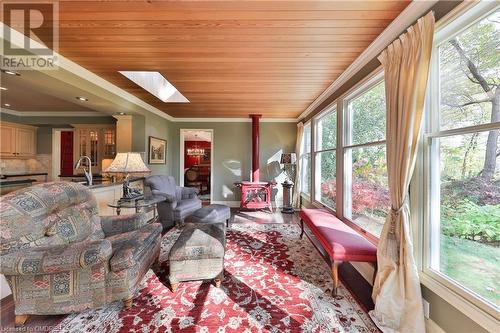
pixel 409 15
pixel 54 113
pixel 233 120
pixel 175 120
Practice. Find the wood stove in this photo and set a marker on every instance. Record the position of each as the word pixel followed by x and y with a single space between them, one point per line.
pixel 254 193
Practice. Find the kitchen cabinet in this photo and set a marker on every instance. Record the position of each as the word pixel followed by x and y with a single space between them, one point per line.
pixel 17 140
pixel 95 141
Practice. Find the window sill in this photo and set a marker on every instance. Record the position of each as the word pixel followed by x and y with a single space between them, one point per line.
pixel 305 196
pixel 372 238
pixel 460 302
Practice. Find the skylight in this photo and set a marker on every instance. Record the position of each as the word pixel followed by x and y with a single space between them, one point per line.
pixel 156 84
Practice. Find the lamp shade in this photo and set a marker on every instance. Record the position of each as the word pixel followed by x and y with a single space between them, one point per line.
pixel 127 163
pixel 288 158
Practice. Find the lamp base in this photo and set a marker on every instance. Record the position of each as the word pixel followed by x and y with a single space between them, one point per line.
pixel 130 193
pixel 132 198
pixel 288 210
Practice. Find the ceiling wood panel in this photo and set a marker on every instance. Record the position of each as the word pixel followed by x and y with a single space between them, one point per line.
pixel 229 58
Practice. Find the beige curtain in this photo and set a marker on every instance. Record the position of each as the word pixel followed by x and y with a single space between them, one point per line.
pixel 396 292
pixel 298 151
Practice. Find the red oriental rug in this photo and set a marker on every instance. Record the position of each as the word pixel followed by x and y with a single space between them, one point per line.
pixel 274 282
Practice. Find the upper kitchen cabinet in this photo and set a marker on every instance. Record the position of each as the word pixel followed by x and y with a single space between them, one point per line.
pixel 17 140
pixel 95 141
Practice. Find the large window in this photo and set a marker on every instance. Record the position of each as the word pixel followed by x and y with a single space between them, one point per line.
pixel 366 194
pixel 325 158
pixel 463 159
pixel 305 160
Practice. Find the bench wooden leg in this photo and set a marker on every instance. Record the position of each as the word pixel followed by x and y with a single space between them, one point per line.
pixel 302 228
pixel 20 320
pixel 335 276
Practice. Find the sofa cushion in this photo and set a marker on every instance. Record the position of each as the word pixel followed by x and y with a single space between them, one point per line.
pixel 129 246
pixel 52 213
pixel 340 241
pixel 186 207
pixel 188 204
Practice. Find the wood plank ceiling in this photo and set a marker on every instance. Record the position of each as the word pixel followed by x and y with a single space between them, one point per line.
pixel 229 58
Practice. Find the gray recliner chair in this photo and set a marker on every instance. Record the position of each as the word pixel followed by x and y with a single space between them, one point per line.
pixel 180 202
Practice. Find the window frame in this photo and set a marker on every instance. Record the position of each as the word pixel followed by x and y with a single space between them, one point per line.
pixel 372 79
pixel 423 193
pixel 303 156
pixel 369 82
pixel 331 108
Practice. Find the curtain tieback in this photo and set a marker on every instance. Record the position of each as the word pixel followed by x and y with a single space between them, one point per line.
pixel 392 245
pixel 395 213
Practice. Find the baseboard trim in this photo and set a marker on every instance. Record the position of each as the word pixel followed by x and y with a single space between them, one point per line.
pixel 232 204
pixel 236 204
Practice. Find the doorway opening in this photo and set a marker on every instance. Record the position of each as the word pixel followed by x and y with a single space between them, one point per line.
pixel 62 153
pixel 196 161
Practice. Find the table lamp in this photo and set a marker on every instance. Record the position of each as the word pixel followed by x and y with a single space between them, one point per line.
pixel 128 163
pixel 288 160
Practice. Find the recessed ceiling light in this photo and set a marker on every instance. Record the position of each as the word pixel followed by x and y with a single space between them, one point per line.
pixel 121 113
pixel 6 104
pixel 157 85
pixel 83 99
pixel 9 72
pixel 3 88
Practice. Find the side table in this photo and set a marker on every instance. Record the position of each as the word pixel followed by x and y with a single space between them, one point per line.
pixel 140 204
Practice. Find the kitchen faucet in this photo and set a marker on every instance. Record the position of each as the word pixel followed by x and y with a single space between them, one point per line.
pixel 88 175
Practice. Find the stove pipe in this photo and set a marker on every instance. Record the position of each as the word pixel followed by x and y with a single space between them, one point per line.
pixel 255 146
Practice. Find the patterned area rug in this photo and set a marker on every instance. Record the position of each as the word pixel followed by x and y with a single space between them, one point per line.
pixel 274 282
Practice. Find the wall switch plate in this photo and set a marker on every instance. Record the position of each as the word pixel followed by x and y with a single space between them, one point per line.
pixel 426 306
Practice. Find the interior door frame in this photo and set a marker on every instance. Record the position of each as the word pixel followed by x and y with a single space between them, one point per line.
pixel 181 157
pixel 56 151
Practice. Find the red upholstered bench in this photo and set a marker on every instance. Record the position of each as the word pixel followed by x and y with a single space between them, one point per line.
pixel 341 242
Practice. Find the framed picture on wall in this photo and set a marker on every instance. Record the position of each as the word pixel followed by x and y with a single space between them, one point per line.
pixel 157 151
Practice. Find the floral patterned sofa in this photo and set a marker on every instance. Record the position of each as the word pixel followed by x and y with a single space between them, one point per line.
pixel 59 256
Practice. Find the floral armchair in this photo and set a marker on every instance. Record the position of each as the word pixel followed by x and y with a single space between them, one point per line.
pixel 59 256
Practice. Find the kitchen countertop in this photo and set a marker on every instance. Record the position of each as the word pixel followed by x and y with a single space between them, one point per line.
pixel 22 174
pixel 7 183
pixel 107 183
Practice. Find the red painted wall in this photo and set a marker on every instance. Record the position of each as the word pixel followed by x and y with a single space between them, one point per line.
pixel 66 153
pixel 189 161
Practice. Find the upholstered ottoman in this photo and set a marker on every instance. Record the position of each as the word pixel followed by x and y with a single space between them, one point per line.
pixel 211 214
pixel 198 254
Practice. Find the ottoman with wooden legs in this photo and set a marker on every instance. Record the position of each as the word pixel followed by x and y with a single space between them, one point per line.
pixel 198 254
pixel 213 213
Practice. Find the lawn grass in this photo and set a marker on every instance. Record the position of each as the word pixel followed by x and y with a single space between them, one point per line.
pixel 472 264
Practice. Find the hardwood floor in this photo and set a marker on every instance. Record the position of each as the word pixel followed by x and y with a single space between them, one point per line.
pixel 33 324
pixel 351 278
